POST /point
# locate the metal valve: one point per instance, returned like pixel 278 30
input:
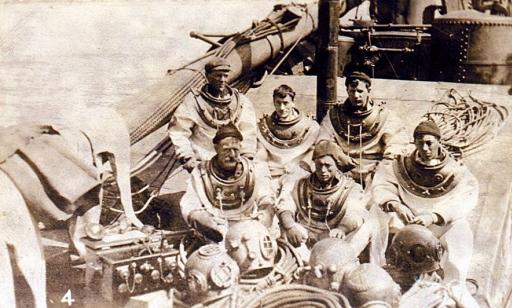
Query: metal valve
pixel 170 263
pixel 138 278
pixel 122 288
pixel 146 267
pixel 155 275
pixel 123 272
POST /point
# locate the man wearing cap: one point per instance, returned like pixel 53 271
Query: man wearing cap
pixel 324 203
pixel 227 188
pixel 427 187
pixel 286 138
pixel 365 130
pixel 195 122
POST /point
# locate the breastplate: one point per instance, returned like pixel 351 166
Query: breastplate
pixel 322 209
pixel 228 194
pixel 215 112
pixel 284 135
pixel 357 128
pixel 425 181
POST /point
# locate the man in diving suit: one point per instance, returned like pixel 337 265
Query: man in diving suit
pixel 286 138
pixel 227 188
pixel 428 187
pixel 365 130
pixel 203 111
pixel 325 203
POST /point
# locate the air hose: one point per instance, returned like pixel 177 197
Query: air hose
pixel 466 123
pixel 296 295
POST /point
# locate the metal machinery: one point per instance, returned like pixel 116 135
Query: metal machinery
pixel 387 51
pixel 463 50
pixel 132 263
pixel 449 43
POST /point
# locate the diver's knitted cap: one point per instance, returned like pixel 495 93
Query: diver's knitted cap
pixel 217 64
pixel 326 148
pixel 358 75
pixel 428 127
pixel 228 130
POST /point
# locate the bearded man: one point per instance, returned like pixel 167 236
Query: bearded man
pixel 227 188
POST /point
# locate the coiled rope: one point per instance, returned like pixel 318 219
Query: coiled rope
pixel 466 123
pixel 296 295
pixel 273 24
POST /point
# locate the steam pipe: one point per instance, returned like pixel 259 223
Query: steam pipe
pixel 327 56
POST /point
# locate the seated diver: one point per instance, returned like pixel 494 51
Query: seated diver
pixel 324 203
pixel 227 188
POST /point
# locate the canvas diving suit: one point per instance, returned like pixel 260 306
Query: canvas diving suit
pixel 320 209
pixel 368 136
pixel 197 119
pixel 285 145
pixel 247 195
pixel 446 189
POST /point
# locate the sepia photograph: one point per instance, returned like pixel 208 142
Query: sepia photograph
pixel 256 153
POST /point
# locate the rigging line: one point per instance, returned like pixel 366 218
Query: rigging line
pixel 285 56
pixel 357 10
pixel 389 61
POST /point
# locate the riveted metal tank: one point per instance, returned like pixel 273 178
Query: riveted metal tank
pixel 472 47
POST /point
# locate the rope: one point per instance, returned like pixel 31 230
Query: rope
pixel 271 25
pixel 466 123
pixel 295 295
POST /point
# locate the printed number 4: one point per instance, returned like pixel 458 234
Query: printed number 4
pixel 67 298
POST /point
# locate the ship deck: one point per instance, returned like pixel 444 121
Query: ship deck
pixel 491 220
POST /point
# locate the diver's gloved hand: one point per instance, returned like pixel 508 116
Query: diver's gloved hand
pixel 345 163
pixel 208 225
pixel 297 235
pixel 189 164
pixel 337 233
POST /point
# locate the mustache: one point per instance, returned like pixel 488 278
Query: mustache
pixel 231 159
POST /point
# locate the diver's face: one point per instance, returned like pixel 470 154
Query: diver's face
pixel 218 80
pixel 228 153
pixel 358 94
pixel 427 146
pixel 284 106
pixel 325 168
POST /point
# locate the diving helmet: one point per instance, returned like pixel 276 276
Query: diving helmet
pixel 330 259
pixel 249 243
pixel 416 250
pixel 369 285
pixel 210 272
